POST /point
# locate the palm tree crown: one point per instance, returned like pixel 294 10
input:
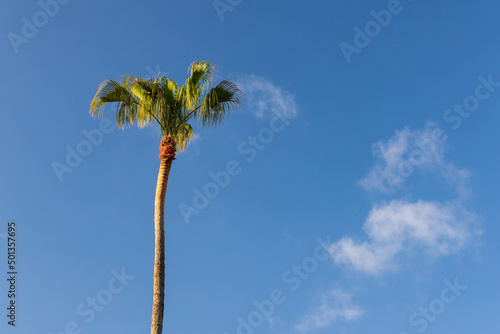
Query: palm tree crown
pixel 161 100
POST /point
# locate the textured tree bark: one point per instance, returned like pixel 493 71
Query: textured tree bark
pixel 167 155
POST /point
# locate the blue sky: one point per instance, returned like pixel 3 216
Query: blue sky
pixel 355 191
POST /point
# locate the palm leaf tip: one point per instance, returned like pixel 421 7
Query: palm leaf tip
pixel 108 91
pixel 201 71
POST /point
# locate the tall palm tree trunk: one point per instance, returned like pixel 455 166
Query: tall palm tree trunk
pixel 167 155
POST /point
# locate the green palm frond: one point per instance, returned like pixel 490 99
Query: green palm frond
pixel 111 91
pixel 218 101
pixel 108 91
pixel 201 72
pixel 183 135
pixel 169 89
pixel 146 91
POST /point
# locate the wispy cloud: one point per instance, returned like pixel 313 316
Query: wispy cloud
pixel 406 151
pixel 334 305
pixel 196 137
pixel 398 227
pixel 266 99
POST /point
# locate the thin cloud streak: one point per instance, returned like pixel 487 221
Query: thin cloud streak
pixel 335 305
pixel 265 99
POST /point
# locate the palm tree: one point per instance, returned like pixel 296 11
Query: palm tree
pixel 161 101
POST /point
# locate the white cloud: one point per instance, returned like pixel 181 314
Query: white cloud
pixel 335 305
pixel 399 157
pixel 265 99
pixel 397 227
